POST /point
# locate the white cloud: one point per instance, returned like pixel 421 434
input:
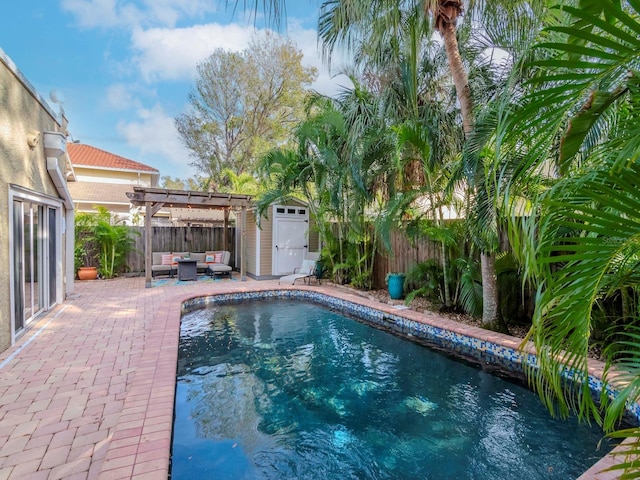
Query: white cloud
pixel 172 53
pixel 154 135
pixel 121 97
pixel 127 13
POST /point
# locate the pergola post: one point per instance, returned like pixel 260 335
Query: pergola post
pixel 147 244
pixel 243 246
pixel 225 229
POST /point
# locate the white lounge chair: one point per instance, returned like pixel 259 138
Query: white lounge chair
pixel 305 272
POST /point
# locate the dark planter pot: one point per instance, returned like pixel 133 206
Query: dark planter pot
pixel 395 285
pixel 87 273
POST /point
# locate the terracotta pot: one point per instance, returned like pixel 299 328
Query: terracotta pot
pixel 87 273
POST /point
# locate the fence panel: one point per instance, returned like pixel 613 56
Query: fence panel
pixel 404 255
pixel 180 239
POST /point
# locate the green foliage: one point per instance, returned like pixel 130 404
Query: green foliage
pixel 469 290
pixel 515 297
pixel 558 152
pixel 196 184
pixel 580 121
pixel 99 240
pixel 338 161
pixel 243 104
pixel 427 277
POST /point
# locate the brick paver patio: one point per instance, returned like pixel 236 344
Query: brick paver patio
pixel 87 392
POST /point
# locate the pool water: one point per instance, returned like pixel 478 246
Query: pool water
pixel 291 390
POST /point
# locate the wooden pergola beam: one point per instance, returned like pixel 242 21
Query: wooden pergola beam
pixel 186 198
pixel 156 208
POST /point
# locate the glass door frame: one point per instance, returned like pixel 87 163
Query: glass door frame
pixel 43 262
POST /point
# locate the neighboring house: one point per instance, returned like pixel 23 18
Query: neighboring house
pixel 36 209
pixel 100 178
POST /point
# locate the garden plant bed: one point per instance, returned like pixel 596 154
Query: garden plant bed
pixel 423 305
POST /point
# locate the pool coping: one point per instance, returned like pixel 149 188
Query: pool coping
pixel 153 391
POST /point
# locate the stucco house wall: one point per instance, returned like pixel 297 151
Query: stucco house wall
pixel 24 117
pixel 141 179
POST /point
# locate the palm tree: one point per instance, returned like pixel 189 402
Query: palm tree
pixel 580 127
pixel 344 23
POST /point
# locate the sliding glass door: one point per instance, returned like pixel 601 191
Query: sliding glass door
pixel 18 267
pixel 34 259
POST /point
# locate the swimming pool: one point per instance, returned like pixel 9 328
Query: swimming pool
pixel 284 389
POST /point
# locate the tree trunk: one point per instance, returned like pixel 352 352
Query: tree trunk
pixel 459 75
pixel 447 28
pixel 490 316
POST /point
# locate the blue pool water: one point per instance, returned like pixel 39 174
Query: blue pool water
pixel 291 390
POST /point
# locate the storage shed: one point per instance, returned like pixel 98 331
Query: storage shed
pixel 278 242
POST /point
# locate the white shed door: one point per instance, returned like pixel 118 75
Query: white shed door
pixel 290 242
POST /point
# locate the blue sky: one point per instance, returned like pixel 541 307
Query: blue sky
pixel 124 69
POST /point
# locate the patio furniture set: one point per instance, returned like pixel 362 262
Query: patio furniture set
pixel 187 264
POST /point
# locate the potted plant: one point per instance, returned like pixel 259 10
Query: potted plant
pixel 84 259
pixel 395 285
pixel 84 271
pixel 101 242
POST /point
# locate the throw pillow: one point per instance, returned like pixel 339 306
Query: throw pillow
pixel 175 259
pixel 217 258
pixel 209 259
pixel 167 259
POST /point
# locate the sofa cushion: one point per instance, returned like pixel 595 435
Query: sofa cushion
pixel 161 268
pixel 219 268
pixel 198 257
pixel 156 257
pixel 217 256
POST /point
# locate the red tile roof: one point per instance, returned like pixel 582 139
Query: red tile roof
pixel 88 156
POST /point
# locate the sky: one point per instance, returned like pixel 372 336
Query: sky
pixel 122 70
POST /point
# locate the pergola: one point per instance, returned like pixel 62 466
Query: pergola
pixel 153 199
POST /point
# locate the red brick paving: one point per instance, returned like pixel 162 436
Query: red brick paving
pixel 89 391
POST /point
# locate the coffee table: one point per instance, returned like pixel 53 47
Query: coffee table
pixel 187 269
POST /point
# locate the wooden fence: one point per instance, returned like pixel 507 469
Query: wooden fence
pixel 180 239
pixel 200 239
pixel 405 254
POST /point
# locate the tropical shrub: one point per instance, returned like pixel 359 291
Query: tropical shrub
pixel 100 240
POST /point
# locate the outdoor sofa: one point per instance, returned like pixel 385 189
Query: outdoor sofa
pixel 211 263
